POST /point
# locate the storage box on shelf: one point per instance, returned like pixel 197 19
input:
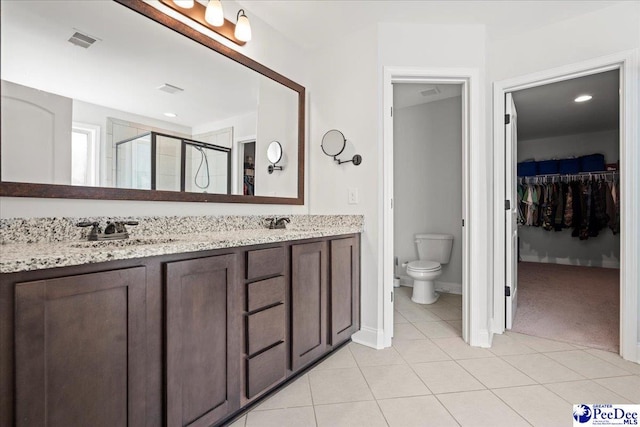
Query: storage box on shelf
pixel 547 167
pixel 592 163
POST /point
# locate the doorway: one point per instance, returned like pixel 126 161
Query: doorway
pixel 564 229
pixel 427 155
pixel 246 167
pixel 469 82
pixel 626 65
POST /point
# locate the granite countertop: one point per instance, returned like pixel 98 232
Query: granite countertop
pixel 16 257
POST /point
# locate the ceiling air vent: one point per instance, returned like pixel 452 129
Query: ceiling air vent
pixel 170 88
pixel 431 91
pixel 82 40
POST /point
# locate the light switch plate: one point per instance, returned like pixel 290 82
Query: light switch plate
pixel 353 196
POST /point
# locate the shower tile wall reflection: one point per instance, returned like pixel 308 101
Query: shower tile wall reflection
pixel 155 161
pixel 133 160
pixel 168 161
pixel 206 170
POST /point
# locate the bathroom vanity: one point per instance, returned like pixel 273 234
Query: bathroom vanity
pixel 184 332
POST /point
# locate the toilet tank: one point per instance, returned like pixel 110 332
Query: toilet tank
pixel 434 247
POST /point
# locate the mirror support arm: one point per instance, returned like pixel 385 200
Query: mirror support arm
pixel 356 160
pixel 272 168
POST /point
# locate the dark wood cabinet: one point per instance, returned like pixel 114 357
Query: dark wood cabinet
pixel 344 289
pixel 202 340
pixel 178 340
pixel 265 319
pixel 80 350
pixel 308 302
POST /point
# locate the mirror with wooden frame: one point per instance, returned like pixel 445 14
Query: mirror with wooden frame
pixel 119 101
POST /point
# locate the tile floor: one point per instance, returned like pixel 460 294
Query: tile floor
pixel 430 377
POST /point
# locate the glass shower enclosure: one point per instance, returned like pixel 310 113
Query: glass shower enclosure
pixel 155 161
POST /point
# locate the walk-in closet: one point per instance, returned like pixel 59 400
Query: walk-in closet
pixel 568 187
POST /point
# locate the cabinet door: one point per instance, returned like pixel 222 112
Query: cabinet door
pixel 80 350
pixel 344 289
pixel 308 303
pixel 203 345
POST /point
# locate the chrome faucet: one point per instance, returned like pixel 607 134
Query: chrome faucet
pixel 115 230
pixel 96 230
pixel 276 223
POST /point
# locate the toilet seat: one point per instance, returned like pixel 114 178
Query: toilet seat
pixel 423 266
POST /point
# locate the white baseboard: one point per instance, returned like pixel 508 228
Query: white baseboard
pixel 449 287
pixel 370 337
pixel 482 339
pixel 567 261
pixel 446 287
pixel 406 281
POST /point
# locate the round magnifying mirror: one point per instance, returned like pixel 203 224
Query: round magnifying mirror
pixel 333 143
pixel 274 152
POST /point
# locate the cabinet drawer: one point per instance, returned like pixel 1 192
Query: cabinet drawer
pixel 265 369
pixel 265 292
pixel 265 328
pixel 265 262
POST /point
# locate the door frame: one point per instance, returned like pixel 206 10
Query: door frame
pixel 469 78
pixel 627 63
pixel 511 214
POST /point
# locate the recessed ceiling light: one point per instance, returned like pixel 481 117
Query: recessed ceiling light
pixel 583 98
pixel 172 115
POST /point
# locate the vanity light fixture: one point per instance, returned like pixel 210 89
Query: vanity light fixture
pixel 583 98
pixel 214 14
pixel 243 28
pixel 212 18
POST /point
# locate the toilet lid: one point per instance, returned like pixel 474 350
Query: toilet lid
pixel 423 265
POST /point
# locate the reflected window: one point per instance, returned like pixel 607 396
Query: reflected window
pixel 85 155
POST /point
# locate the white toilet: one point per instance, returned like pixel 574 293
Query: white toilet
pixel 433 251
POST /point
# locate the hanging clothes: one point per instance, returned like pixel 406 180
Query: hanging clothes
pixel 561 190
pixel 568 208
pixel 586 206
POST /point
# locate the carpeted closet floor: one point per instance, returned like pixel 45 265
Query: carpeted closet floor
pixel 579 305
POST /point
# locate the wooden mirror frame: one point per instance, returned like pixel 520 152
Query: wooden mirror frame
pixel 24 189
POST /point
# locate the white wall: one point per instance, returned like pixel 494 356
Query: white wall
pixel 565 146
pixel 539 245
pixel 427 157
pixel 243 126
pixel 36 135
pixel 607 31
pixel 346 94
pixel 345 97
pixel 268 47
pixel 277 121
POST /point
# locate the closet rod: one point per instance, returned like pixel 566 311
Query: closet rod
pixel 579 175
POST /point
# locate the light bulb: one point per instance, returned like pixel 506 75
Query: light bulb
pixel 214 15
pixel 583 98
pixel 243 28
pixel 185 4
